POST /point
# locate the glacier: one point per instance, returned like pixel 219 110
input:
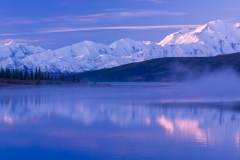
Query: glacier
pixel 214 38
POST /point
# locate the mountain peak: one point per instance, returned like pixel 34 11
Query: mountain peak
pixel 213 25
pixel 219 25
pixel 147 42
pixel 122 42
pixel 217 22
pixel 218 29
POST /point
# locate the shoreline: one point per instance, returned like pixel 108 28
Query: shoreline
pixel 6 83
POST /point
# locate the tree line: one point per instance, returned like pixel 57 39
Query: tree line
pixel 19 74
pixel 73 78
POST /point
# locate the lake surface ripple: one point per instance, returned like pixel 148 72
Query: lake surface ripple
pixel 124 121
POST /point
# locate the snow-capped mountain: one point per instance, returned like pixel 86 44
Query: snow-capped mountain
pixel 213 38
pixel 12 54
pixel 18 50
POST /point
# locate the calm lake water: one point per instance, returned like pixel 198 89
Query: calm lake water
pixel 125 121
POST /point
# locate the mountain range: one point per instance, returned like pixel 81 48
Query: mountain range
pixel 214 38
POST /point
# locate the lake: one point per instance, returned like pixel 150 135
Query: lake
pixel 124 121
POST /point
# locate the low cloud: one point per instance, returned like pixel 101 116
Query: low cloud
pixel 91 18
pixel 75 29
pixel 7 34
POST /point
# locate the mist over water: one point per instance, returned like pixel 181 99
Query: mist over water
pixel 218 85
pixel 198 119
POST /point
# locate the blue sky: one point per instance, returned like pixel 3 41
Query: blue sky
pixel 57 23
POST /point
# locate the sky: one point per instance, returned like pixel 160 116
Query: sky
pixel 54 24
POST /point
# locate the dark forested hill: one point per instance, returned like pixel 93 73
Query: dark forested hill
pixel 165 69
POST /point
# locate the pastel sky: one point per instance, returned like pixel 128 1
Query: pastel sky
pixel 57 23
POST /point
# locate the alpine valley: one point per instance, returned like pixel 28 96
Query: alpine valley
pixel 214 38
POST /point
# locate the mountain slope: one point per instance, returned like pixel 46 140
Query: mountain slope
pixel 213 38
pixel 165 69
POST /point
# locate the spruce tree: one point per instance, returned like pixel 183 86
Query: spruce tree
pixel 39 74
pixel 62 77
pixel 31 75
pixel 21 75
pixel 16 74
pixel 2 73
pixel 7 73
pixel 73 78
pixel 13 74
pixel 26 74
pixel 36 74
pixel 78 78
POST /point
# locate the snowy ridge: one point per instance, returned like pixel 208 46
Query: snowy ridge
pixel 211 39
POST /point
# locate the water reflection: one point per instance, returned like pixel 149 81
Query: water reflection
pixel 186 127
pixel 207 123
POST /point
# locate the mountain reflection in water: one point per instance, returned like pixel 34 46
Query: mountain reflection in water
pixel 141 115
